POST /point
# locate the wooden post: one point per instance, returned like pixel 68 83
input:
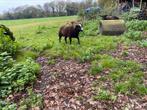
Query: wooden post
pixel 140 4
pixel 118 7
pixel 133 3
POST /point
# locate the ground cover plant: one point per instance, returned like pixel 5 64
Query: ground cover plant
pixel 105 68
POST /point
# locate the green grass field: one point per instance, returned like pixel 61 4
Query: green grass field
pixel 26 31
pixel 39 37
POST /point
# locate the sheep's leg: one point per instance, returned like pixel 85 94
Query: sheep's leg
pixel 60 38
pixel 78 40
pixel 70 40
pixel 66 40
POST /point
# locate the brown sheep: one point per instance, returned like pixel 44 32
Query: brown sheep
pixel 70 30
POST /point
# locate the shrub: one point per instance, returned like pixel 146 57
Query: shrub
pixel 7 106
pixel 128 16
pixel 134 35
pixel 137 25
pixel 81 14
pixel 93 13
pixel 136 30
pixel 91 28
pixel 5 61
pixel 17 76
pixel 6 44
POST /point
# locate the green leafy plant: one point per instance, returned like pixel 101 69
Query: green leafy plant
pixel 17 76
pixel 6 44
pixel 129 16
pixel 136 30
pixel 143 43
pixel 6 61
pixel 134 35
pixel 32 101
pixel 51 61
pixel 91 28
pixel 137 25
pixel 4 105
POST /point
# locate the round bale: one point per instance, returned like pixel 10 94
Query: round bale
pixel 112 27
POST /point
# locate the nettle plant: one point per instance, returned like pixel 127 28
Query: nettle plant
pixel 6 61
pixel 15 76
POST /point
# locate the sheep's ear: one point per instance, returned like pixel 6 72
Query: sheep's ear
pixel 80 24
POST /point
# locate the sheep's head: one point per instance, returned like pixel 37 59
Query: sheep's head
pixel 78 27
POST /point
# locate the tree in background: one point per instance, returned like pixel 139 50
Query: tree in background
pixel 61 8
pixel 88 3
pixel 53 8
pixel 72 8
pixel 109 6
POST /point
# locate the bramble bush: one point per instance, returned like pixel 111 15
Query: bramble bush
pixel 14 76
pixel 6 44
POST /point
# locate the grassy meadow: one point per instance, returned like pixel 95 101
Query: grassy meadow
pixel 39 37
pixel 34 35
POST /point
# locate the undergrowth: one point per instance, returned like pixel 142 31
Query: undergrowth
pixel 136 30
pixel 125 77
pixel 14 76
pixel 33 101
pixel 6 44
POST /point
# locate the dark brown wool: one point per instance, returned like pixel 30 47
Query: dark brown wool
pixel 108 17
pixel 70 30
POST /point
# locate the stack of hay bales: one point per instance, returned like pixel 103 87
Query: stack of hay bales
pixel 112 27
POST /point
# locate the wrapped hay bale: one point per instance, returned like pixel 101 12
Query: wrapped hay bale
pixel 112 27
